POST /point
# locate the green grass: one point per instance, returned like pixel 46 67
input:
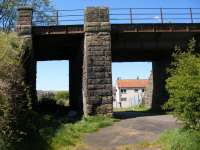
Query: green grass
pixel 134 108
pixel 49 132
pixel 180 139
pixel 139 146
pixel 174 139
pixel 69 135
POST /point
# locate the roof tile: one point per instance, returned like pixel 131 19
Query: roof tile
pixel 132 83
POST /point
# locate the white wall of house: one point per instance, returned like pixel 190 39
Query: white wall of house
pixel 127 97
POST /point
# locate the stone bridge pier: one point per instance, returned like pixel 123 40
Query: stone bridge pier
pixel 24 29
pixel 159 95
pixel 97 62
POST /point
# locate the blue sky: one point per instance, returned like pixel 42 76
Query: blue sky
pixel 54 75
pixel 74 4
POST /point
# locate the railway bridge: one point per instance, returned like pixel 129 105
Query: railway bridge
pixel 99 37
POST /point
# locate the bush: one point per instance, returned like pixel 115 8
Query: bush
pixel 183 86
pixel 62 98
pixel 59 97
pixel 14 96
pixel 46 96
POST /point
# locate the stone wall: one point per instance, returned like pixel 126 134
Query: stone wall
pixel 97 61
pixel 148 94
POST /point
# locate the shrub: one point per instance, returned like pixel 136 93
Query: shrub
pixel 183 86
pixel 62 98
pixel 58 97
pixel 14 97
pixel 46 96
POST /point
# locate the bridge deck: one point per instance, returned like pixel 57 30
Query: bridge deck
pixel 143 42
pixel 79 29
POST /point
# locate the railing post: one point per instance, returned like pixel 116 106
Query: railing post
pixel 57 17
pixel 191 17
pixel 161 15
pixel 131 17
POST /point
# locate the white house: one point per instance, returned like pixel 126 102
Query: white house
pixel 129 92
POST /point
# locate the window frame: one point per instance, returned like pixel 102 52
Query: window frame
pixel 123 91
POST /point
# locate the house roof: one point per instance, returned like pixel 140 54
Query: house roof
pixel 132 83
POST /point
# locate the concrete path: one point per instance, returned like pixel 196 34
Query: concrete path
pixel 139 128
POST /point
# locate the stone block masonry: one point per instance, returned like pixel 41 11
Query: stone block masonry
pixel 24 21
pixel 148 94
pixel 97 62
pixel 24 30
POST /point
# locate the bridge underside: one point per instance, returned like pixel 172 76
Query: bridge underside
pixel 128 46
pixel 146 44
pixel 92 48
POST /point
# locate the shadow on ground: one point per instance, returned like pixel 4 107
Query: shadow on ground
pixel 135 114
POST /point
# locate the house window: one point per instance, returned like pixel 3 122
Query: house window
pixel 123 99
pixel 136 90
pixel 142 90
pixel 123 90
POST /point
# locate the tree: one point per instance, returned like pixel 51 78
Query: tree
pixel 8 10
pixel 62 95
pixel 13 102
pixel 183 86
pixel 62 98
pixel 10 50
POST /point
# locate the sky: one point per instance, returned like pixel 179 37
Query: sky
pixel 74 4
pixel 54 75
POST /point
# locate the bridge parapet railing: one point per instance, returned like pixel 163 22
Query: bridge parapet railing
pixel 155 15
pixel 120 16
pixel 58 17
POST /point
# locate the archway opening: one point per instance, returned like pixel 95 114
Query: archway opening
pixel 52 84
pixel 132 87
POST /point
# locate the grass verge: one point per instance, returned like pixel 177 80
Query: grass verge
pixel 174 139
pixel 135 108
pixel 180 139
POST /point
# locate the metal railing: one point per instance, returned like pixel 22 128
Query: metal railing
pixel 58 17
pixel 121 15
pixel 155 15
